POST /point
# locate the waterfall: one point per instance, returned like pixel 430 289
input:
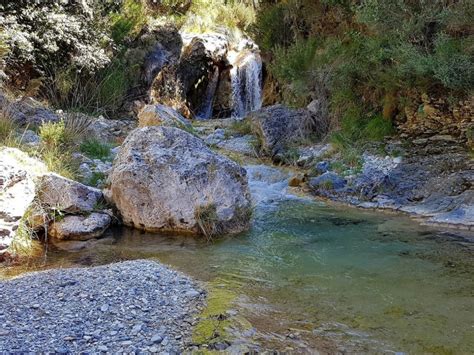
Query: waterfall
pixel 205 111
pixel 246 77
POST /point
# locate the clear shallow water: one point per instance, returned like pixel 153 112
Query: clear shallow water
pixel 364 281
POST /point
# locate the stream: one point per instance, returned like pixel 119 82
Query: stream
pixel 310 276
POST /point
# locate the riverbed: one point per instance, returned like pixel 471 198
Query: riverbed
pixel 310 276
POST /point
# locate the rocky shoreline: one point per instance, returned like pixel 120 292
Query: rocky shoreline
pixel 429 179
pixel 132 306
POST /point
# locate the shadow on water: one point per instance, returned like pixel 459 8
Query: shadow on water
pixel 369 282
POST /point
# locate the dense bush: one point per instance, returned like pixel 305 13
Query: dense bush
pixel 53 34
pixel 377 54
pixel 215 15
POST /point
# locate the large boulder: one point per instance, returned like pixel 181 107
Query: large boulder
pixel 278 127
pixel 27 112
pixel 165 179
pixel 18 175
pixel 161 115
pixel 58 193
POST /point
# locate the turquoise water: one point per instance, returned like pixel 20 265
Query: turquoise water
pixel 342 279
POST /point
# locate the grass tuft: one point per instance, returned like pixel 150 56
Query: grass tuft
pixel 207 220
pixel 95 149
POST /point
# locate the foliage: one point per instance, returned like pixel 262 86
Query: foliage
pixel 7 126
pixel 53 134
pixel 96 179
pixel 129 20
pixel 95 149
pixel 241 127
pixel 53 34
pixel 59 160
pixel 377 53
pixel 58 141
pixel 294 65
pixel 100 94
pixel 214 15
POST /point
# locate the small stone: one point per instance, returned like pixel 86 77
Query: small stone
pixel 153 349
pixel 35 306
pixel 192 293
pixel 102 348
pixel 296 180
pixel 127 343
pixel 156 339
pixel 136 329
pixel 104 308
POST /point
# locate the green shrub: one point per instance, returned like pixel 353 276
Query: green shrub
pixel 59 161
pixel 377 128
pixel 7 126
pixel 53 134
pixel 293 68
pixel 47 34
pixel 95 149
pixel 100 94
pixel 213 15
pixel 96 179
pixel 271 30
pixel 454 66
pixel 128 20
pixel 376 54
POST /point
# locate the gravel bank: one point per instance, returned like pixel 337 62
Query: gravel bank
pixel 124 307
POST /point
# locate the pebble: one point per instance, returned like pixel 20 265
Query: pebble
pixel 157 338
pixel 92 310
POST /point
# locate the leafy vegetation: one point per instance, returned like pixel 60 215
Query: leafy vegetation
pixel 373 56
pixel 95 149
pixel 205 15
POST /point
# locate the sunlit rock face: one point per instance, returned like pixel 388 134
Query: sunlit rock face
pixel 216 76
pixel 165 179
pixel 18 173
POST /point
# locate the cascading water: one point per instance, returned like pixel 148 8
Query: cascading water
pixel 205 111
pixel 246 78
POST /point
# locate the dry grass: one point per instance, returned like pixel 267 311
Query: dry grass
pixel 207 220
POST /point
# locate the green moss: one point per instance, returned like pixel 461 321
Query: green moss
pixel 214 322
pixel 213 319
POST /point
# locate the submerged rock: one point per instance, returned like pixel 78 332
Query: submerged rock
pixel 80 227
pixel 165 179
